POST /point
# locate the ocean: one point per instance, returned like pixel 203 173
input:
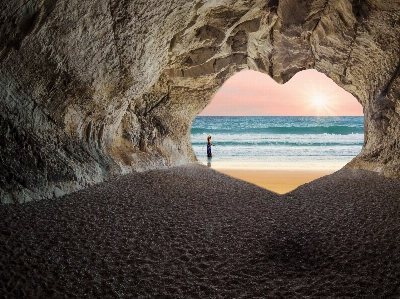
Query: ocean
pixel 278 142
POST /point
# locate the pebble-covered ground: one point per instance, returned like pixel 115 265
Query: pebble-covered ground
pixel 190 232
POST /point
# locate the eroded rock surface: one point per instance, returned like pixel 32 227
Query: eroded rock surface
pixel 93 89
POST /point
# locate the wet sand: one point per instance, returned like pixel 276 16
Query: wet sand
pixel 279 181
pixel 191 232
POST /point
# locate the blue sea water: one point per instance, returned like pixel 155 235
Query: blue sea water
pixel 277 141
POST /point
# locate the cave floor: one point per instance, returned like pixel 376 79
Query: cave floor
pixel 191 232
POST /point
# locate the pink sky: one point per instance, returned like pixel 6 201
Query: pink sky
pixel 308 93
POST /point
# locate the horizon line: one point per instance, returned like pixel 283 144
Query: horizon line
pixel 280 115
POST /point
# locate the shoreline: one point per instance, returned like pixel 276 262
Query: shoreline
pixel 280 181
pixel 325 164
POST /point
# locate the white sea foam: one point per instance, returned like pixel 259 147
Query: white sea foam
pixel 281 149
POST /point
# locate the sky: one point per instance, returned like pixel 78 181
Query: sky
pixel 308 93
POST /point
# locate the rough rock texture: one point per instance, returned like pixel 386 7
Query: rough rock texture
pixel 93 89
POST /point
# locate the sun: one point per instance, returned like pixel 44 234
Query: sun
pixel 320 101
pixel 321 104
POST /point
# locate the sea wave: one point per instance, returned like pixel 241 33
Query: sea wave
pixel 279 138
pixel 297 130
pixel 277 143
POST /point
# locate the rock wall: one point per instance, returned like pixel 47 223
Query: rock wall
pixel 91 89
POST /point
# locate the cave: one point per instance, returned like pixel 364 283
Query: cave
pixel 101 193
pixel 92 90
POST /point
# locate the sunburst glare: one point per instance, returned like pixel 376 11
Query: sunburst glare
pixel 321 104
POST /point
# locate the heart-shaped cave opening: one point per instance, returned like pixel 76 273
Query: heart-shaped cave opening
pixel 279 136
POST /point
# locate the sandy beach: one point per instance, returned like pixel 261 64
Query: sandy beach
pixel 279 181
pixel 191 232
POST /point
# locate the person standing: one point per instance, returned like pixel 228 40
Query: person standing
pixel 209 144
